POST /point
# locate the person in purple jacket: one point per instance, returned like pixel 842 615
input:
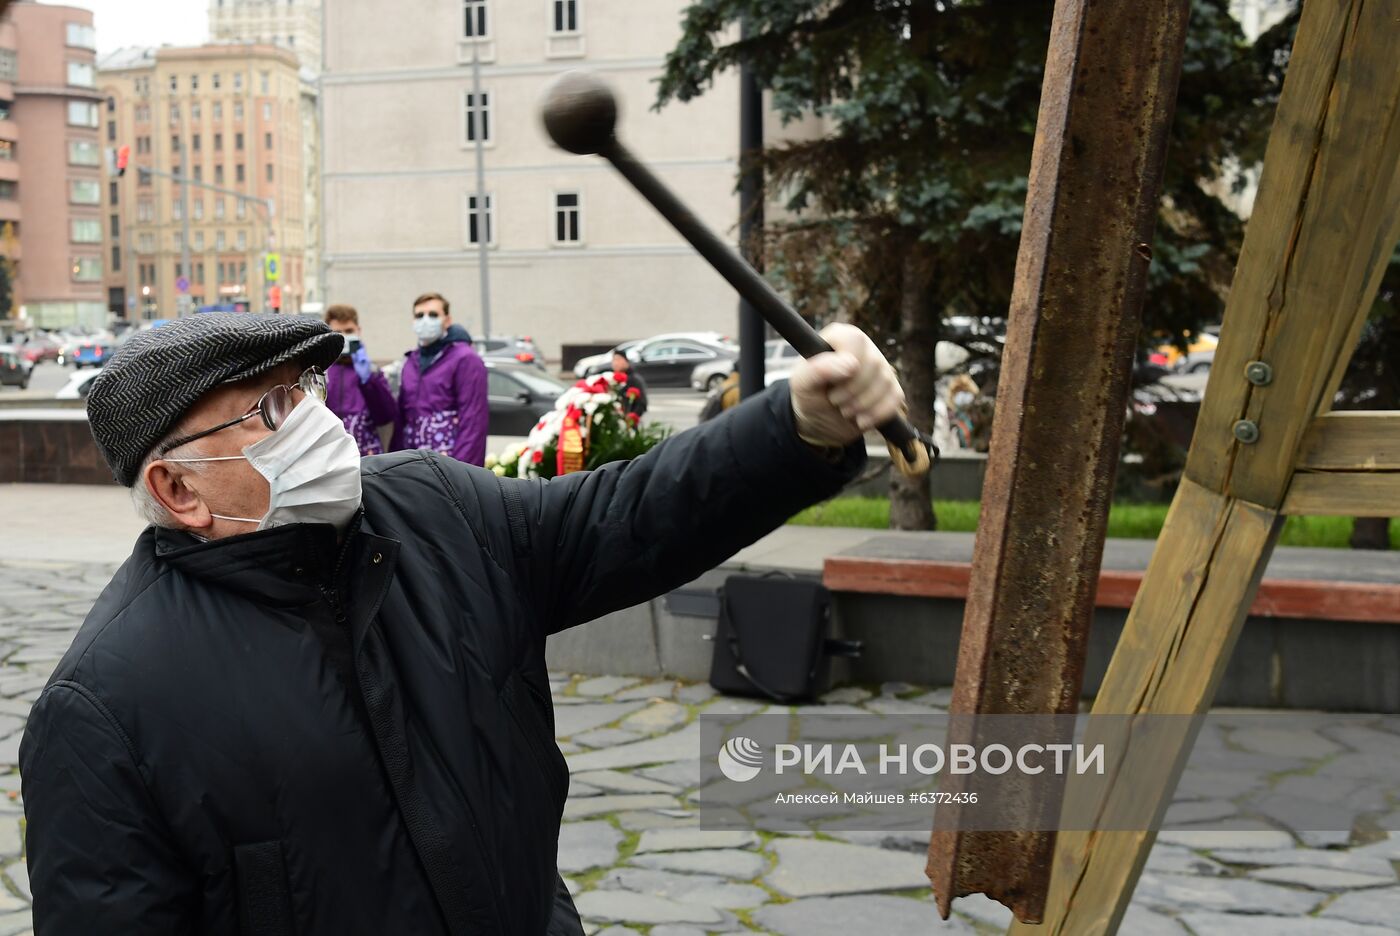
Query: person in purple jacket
pixel 442 388
pixel 355 391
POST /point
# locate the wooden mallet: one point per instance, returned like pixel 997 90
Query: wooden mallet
pixel 580 115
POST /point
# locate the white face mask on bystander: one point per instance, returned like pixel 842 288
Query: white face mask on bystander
pixel 312 467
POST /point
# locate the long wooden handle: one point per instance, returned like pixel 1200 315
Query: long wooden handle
pixel 912 451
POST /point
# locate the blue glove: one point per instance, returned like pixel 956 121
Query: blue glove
pixel 363 368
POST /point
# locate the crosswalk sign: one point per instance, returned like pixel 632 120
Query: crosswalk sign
pixel 272 267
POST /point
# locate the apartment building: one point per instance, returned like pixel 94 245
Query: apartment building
pixel 290 24
pixel 50 182
pixel 575 254
pixel 231 119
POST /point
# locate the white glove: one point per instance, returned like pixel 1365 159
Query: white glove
pixel 837 396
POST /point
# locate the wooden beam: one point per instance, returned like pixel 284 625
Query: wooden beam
pixel 1344 493
pixel 1326 220
pixel 1352 441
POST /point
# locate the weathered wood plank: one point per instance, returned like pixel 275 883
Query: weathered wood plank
pixel 1325 222
pixel 1344 493
pixel 1352 441
pixel 1173 651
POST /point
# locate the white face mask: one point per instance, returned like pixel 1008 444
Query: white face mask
pixel 312 467
pixel 428 329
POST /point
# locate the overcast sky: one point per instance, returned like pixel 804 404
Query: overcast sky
pixel 147 22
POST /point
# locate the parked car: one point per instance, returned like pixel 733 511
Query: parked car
pixel 510 350
pixel 39 348
pixel 778 358
pixel 1196 362
pixel 518 395
pixel 91 353
pixel 78 385
pixel 597 363
pixel 669 362
pixel 14 369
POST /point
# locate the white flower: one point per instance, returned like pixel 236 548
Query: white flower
pixel 499 470
pixel 491 461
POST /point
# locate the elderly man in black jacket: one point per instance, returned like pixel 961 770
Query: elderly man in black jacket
pixel 314 699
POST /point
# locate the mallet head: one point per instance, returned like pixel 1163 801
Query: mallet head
pixel 580 113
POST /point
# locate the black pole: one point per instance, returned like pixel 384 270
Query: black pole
pixel 751 327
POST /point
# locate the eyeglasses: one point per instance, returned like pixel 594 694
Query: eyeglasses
pixel 431 313
pixel 274 407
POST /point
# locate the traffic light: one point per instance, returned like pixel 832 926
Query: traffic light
pixel 274 298
pixel 123 157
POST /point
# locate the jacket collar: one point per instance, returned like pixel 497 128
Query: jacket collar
pixel 283 565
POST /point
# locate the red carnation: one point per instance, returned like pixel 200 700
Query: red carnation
pixel 633 393
pixel 620 376
pixel 633 419
pixel 537 457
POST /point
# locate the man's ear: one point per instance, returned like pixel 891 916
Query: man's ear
pixel 181 501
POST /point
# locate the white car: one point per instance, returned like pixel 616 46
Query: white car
pixel 597 363
pixel 78 385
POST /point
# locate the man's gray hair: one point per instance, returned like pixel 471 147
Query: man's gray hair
pixel 148 508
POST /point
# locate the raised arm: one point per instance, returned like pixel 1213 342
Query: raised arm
pixel 100 860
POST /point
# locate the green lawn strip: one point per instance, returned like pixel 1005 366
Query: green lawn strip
pixel 1125 521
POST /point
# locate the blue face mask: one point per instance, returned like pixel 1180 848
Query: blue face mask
pixel 428 329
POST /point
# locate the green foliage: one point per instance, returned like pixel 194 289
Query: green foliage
pixel 932 106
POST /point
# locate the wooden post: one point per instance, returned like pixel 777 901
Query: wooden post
pixel 1326 220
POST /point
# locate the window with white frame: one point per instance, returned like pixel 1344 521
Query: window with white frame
pixel 82 75
pixel 84 192
pixel 174 83
pixel 199 209
pixel 567 226
pixel 83 153
pixel 479 220
pixel 218 209
pixel 198 240
pixel 81 36
pixel 220 241
pixel 177 210
pixel 475 24
pixel 87 269
pixel 564 18
pixel 86 231
pixel 145 211
pixel 238 81
pixel 82 114
pixel 478 116
pixel 9 64
pixel 242 240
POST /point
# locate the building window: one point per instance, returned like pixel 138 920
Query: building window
pixel 214 81
pixel 199 173
pixel 85 231
pixel 115 225
pixel 242 271
pixel 269 172
pixel 474 22
pixel 199 209
pixel 82 114
pixel 81 75
pixel 267 141
pixel 566 16
pixel 194 110
pixel 87 269
pixel 174 83
pixel 143 113
pixel 241 209
pixel 478 219
pixel 238 176
pixel 9 190
pixel 177 211
pixel 218 110
pixel 263 81
pixel 219 174
pixel 218 142
pixel 111 131
pixel 174 143
pixel 83 153
pixel 199 273
pixel 116 259
pixel 146 243
pixel 111 105
pixel 242 240
pixel 177 240
pixel 267 110
pixel 198 240
pixel 219 202
pixel 84 192
pixel 81 36
pixel 174 113
pixel 145 211
pixel 237 110
pixel 5 108
pixel 238 81
pixel 194 142
pixel 9 64
pixel 7 150
pixel 238 141
pixel 112 194
pixel 566 218
pixel 194 83
pixel 220 241
pixel 473 112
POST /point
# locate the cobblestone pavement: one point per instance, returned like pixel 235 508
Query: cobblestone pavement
pixel 637 862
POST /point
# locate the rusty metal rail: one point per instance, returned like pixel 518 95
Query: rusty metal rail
pixel 1106 108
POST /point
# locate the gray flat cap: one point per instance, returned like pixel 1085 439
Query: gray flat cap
pixel 159 374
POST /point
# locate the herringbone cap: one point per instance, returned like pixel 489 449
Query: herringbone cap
pixel 157 375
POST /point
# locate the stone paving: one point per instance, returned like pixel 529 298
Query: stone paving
pixel 637 862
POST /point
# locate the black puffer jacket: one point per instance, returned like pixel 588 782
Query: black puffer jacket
pixel 197 765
